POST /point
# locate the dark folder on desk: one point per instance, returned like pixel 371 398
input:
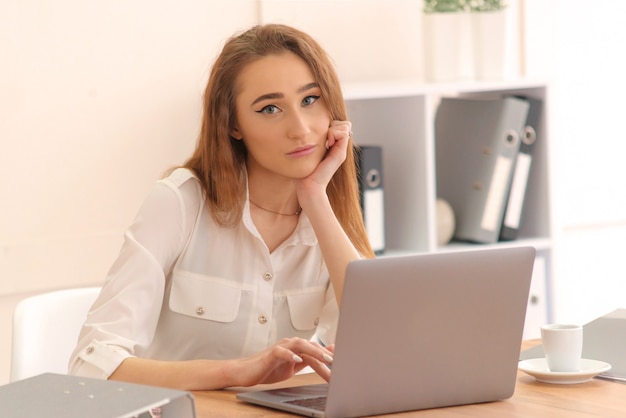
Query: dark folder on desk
pixel 523 162
pixel 57 395
pixel 477 141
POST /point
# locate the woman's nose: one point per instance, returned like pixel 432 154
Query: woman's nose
pixel 297 125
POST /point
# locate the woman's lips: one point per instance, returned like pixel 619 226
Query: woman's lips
pixel 302 151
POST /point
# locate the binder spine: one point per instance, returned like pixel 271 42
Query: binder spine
pixel 497 193
pixel 513 213
pixel 370 174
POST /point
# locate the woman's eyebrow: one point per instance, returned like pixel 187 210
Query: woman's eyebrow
pixel 272 96
pixel 308 86
pixel 268 96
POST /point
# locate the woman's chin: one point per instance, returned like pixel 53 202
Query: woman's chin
pixel 303 173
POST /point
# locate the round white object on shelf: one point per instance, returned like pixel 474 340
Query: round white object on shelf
pixel 445 222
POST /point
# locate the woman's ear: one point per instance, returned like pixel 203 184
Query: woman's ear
pixel 236 134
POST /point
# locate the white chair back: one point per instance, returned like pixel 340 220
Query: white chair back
pixel 45 330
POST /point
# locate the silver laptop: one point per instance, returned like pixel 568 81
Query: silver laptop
pixel 421 331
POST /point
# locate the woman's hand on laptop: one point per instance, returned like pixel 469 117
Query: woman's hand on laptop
pixel 283 360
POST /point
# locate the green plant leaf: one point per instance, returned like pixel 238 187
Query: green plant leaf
pixel 444 6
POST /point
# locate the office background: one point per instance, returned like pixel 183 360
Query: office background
pixel 98 99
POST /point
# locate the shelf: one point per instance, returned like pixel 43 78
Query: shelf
pixel 403 88
pixel 399 116
pixel 540 244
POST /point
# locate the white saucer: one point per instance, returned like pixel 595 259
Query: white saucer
pixel 538 368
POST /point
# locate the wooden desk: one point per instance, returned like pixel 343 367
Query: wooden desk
pixel 598 398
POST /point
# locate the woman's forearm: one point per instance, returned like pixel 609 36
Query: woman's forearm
pixel 335 245
pixel 274 364
pixel 182 375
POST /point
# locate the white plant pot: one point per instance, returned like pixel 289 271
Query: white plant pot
pixel 490 46
pixel 448 51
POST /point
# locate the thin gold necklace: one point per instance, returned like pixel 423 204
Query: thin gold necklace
pixel 278 213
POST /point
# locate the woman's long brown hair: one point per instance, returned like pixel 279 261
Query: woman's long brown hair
pixel 219 159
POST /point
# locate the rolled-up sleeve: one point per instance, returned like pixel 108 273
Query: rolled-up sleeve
pixel 122 321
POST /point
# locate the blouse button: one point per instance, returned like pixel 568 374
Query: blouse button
pixel 316 321
pixel 267 276
pixel 200 310
pixel 262 319
pixel 90 349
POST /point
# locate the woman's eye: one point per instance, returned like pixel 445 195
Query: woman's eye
pixel 269 109
pixel 309 100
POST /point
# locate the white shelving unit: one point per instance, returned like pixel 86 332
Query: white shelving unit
pixel 399 116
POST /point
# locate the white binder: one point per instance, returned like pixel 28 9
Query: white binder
pixel 521 174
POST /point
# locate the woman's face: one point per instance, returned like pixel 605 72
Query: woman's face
pixel 281 116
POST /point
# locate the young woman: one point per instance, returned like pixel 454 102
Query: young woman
pixel 233 270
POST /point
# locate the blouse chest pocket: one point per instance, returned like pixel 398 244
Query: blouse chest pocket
pixel 204 297
pixel 305 308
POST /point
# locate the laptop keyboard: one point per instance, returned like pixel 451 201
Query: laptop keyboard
pixel 318 403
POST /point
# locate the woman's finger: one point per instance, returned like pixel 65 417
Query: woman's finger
pixel 319 367
pixel 305 348
pixel 338 130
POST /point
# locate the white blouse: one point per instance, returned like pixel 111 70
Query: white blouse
pixel 184 287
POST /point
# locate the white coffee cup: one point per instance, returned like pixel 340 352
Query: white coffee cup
pixel 563 346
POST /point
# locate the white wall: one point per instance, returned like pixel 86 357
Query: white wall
pixel 367 39
pixel 98 98
pixel 579 44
